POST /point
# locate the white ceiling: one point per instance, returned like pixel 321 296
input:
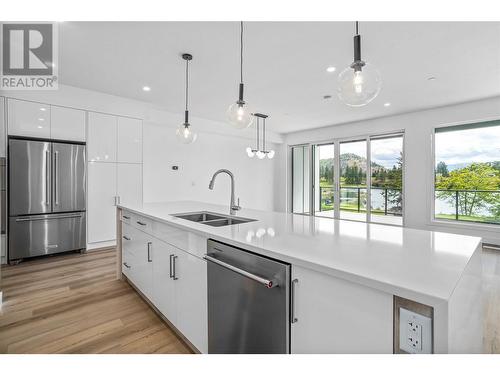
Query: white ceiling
pixel 285 65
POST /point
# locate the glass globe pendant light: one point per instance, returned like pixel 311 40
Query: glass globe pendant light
pixel 184 132
pixel 238 114
pixel 360 82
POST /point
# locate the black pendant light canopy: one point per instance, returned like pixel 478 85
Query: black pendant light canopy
pixel 238 114
pixel 184 132
pixel 360 82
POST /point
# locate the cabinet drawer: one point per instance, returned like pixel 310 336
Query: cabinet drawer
pixel 190 242
pixel 142 223
pixel 127 264
pixel 126 217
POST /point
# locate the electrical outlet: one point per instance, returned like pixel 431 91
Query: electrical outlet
pixel 415 332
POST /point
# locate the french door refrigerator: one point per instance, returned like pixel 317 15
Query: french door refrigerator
pixel 46 198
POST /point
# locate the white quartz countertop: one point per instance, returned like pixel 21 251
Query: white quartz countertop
pixel 421 265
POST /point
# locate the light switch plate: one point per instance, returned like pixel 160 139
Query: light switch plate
pixel 415 332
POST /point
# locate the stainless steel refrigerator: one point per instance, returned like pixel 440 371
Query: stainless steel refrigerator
pixel 47 182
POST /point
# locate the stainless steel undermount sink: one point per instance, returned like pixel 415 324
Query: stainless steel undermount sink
pixel 212 219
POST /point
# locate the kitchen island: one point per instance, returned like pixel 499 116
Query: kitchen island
pixel 352 279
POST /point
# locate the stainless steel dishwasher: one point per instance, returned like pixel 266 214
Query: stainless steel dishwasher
pixel 248 301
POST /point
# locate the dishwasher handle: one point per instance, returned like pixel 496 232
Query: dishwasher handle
pixel 260 280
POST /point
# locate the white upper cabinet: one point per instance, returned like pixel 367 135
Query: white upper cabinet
pixel 101 141
pixel 129 142
pixel 67 124
pixel 129 183
pixel 28 119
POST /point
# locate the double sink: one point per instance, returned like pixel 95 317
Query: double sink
pixel 212 219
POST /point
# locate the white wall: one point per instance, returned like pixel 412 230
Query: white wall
pixel 218 146
pixel 255 181
pixel 418 127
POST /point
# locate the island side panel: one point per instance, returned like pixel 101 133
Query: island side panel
pixel 119 243
pixel 337 316
pixel 465 310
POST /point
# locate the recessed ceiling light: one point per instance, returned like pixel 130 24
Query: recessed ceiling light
pixel 40 127
pixel 43 109
pixel 387 104
pixel 41 119
pixel 327 96
pixel 331 69
pixel 146 88
pixel 431 79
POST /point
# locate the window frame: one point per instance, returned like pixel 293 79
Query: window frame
pixel 431 207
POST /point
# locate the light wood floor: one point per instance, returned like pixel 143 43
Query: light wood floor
pixel 73 304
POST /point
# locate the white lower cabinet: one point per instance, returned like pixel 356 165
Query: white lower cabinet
pixel 163 283
pixel 129 183
pixel 101 202
pixel 174 280
pixel 336 316
pixel 191 299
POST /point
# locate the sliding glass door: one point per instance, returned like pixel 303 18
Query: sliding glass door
pixel 301 177
pixel 324 188
pixel 353 194
pixel 386 183
pixel 357 179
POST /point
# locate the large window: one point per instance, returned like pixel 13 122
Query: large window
pixel 338 181
pixel 467 173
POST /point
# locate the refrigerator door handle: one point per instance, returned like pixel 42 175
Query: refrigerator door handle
pixel 45 217
pixel 56 177
pixel 47 178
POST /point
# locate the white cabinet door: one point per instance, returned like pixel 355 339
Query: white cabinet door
pixel 101 202
pixel 143 262
pixel 28 119
pixel 129 183
pixel 129 140
pixel 67 124
pixel 101 140
pixel 163 283
pixel 336 316
pixel 191 299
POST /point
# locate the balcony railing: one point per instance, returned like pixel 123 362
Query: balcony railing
pixel 481 206
pixel 384 201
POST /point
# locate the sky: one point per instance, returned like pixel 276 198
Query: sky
pixel 468 146
pixel 384 152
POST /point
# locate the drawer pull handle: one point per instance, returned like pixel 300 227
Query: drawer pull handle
pixel 126 217
pixel 126 238
pixel 141 223
pixel 174 275
pixel 126 265
pixel 149 252
pixel 293 318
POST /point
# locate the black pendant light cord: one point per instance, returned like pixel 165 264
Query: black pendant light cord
pixel 187 83
pixel 240 94
pixel 241 52
pixel 357 32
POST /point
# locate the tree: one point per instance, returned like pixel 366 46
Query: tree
pixel 468 180
pixel 442 169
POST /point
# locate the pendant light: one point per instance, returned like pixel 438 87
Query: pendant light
pixel 238 114
pixel 360 82
pixel 260 153
pixel 184 132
